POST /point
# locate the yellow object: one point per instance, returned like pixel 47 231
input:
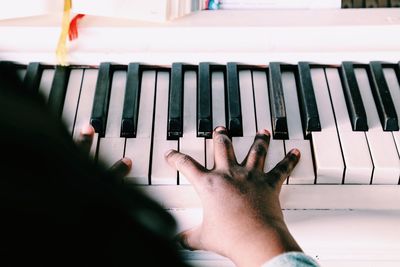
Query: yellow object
pixel 62 51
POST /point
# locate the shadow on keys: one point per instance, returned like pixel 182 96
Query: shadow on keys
pixel 57 207
pixel 60 209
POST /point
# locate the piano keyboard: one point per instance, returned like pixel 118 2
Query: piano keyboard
pixel 343 119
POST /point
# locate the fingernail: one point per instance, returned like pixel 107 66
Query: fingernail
pixel 168 152
pixel 265 132
pixel 295 152
pixel 220 129
pixel 127 161
pixel 87 130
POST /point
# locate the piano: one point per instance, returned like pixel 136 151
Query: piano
pixel 324 81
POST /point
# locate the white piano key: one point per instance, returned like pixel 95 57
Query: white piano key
pixel 382 145
pixel 328 157
pixel 72 98
pixel 354 145
pixel 85 107
pixel 115 107
pixel 194 147
pixel 93 148
pixel 85 100
pixel 218 112
pixel 209 154
pixel 304 171
pixel 218 99
pixel 111 147
pixel 276 150
pixel 110 150
pixel 45 83
pixel 394 88
pixel 242 145
pixel 138 149
pixel 247 103
pixel 161 172
pixel 189 143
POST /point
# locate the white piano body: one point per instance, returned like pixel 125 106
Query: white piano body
pixel 340 225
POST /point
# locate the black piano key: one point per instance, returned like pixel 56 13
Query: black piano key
pixel 277 102
pixel 32 77
pixel 235 126
pixel 383 100
pixel 371 3
pixel 358 3
pixel 383 3
pixel 58 90
pixel 98 118
pixel 308 104
pixel 204 104
pixel 347 3
pixel 131 101
pixel 394 3
pixel 353 98
pixel 175 103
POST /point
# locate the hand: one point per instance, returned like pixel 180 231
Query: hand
pixel 242 217
pixel 85 139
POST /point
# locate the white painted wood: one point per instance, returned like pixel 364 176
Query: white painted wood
pixel 189 143
pixel 110 150
pixel 354 145
pixel 320 233
pixel 323 35
pixel 85 100
pixel 304 171
pixel 45 83
pixel 138 149
pixel 325 197
pixel 381 144
pixel 116 105
pixel 161 172
pixel 276 150
pixel 393 84
pixel 327 152
pixel 72 98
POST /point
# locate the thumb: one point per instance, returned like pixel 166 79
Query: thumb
pixel 190 239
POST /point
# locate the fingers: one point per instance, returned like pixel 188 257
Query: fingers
pixel 190 239
pixel 283 169
pixel 224 156
pixel 121 168
pixel 185 164
pixel 255 159
pixel 85 138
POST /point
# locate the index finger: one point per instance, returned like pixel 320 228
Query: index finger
pixel 185 164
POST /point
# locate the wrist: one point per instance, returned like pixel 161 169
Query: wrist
pixel 262 244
